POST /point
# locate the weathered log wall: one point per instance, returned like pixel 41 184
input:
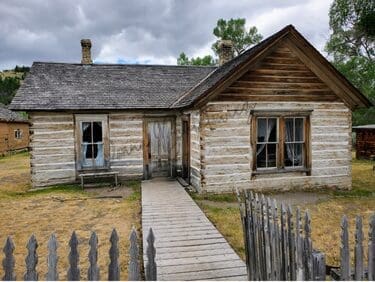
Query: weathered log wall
pixel 52 148
pixel 365 143
pixel 225 134
pixel 178 144
pixel 195 150
pixel 126 144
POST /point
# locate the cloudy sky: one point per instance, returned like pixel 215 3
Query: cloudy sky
pixel 141 31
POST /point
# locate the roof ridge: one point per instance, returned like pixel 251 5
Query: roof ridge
pixel 125 65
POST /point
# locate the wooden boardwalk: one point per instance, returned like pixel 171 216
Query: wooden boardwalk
pixel 188 246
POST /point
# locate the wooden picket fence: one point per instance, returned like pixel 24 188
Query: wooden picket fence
pixel 278 244
pixel 73 272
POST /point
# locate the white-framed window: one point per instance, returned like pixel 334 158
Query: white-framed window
pixel 92 147
pixel 18 133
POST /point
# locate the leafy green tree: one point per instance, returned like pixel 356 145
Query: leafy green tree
pixel 353 29
pixel 8 88
pixel 234 30
pixel 184 60
pixel 351 46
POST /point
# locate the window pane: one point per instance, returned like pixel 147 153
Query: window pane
pixel 262 130
pixel 272 130
pixel 261 155
pixel 289 130
pixel 99 155
pixel 271 153
pixel 298 155
pixel 86 132
pixel 288 154
pixel 97 132
pixel 88 154
pixel 299 129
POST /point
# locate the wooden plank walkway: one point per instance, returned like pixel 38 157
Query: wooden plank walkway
pixel 188 246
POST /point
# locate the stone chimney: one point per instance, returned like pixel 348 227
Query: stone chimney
pixel 226 52
pixel 86 51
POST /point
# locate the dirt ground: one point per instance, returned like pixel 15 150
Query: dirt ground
pixel 61 210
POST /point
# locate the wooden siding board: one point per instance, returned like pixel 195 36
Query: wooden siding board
pixel 227 149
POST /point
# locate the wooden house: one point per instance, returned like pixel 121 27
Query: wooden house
pixel 278 116
pixel 365 141
pixel 14 131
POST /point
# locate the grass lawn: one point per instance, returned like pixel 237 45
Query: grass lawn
pixel 326 214
pixel 62 209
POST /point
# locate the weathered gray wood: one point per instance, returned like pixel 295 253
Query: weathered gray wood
pixel 266 234
pixel 52 259
pixel 31 260
pixel 8 261
pixel 358 250
pixel 319 266
pixel 344 251
pixel 284 244
pixel 93 272
pixel 307 247
pixel 257 243
pixel 371 249
pixel 277 249
pixel 73 270
pixel 113 268
pixel 151 268
pixel 299 247
pixel 134 269
pixel 292 245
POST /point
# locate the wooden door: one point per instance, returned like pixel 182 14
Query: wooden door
pixel 186 149
pixel 160 147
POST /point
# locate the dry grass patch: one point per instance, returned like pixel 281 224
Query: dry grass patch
pixel 326 214
pixel 61 210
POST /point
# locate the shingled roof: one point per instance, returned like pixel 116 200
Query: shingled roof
pixel 10 116
pixel 61 86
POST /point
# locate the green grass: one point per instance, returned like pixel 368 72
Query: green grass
pixel 326 214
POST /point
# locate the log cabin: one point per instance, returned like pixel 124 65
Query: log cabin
pixel 276 117
pixel 365 141
pixel 14 131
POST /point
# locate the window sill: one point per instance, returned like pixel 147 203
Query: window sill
pixel 282 170
pixel 93 169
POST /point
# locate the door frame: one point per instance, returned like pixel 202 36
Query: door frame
pixel 185 136
pixel 147 174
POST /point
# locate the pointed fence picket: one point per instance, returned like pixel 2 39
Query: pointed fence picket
pixel 73 271
pixel 278 244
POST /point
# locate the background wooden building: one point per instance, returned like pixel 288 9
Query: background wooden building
pixel 14 131
pixel 365 141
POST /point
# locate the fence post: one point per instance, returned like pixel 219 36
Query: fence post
pixel 319 266
pixel 307 248
pixel 292 245
pixel 151 271
pixel 8 261
pixel 31 260
pixel 299 247
pixel 93 273
pixel 344 251
pixel 134 269
pixel 267 243
pixel 113 268
pixel 52 274
pixel 73 270
pixel 358 249
pixel 284 244
pixel 371 249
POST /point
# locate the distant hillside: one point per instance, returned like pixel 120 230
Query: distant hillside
pixel 10 81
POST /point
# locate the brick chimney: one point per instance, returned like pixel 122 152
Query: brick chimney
pixel 226 53
pixel 86 51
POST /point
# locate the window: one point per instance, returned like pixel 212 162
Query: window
pixel 92 144
pixel 18 134
pixel 92 147
pixel 280 142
